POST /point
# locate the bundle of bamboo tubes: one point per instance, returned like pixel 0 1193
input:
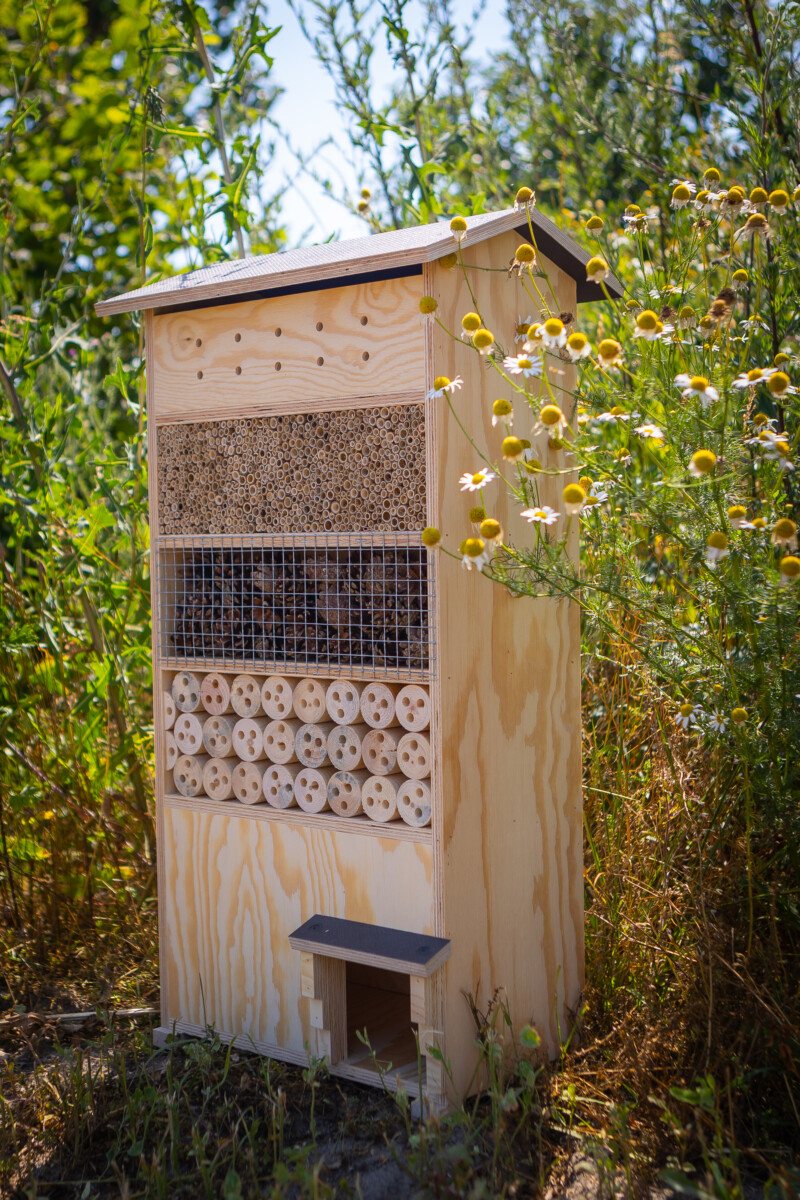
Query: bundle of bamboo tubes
pixel 358 469
pixel 354 750
pixel 349 605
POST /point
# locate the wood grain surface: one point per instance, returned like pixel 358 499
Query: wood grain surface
pixel 344 342
pixel 233 890
pixel 507 804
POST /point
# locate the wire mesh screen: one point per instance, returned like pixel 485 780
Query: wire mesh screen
pixel 359 609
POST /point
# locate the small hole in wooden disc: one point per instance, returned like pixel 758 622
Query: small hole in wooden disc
pixel 365 356
pixel 364 320
pixel 238 370
pixel 199 374
pixel 199 342
pixel 237 337
pixel 319 326
pixel 320 361
pixel 278 331
pixel 277 366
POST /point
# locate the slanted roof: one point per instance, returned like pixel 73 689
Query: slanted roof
pixel 348 260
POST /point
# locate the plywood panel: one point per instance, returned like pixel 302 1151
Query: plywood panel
pixel 233 890
pixel 509 843
pixel 363 340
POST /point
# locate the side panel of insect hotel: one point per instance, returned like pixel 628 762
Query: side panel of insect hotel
pixel 367 763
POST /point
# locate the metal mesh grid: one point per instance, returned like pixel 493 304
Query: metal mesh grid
pixel 338 472
pixel 360 609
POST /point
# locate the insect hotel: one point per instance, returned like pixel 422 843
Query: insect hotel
pixel 367 761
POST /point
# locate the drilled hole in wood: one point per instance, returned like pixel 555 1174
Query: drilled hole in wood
pixel 199 374
pixel 277 366
pixel 199 342
pixel 320 361
pixel 278 331
pixel 364 320
pixel 237 337
pixel 238 370
pixel 365 356
pixel 319 326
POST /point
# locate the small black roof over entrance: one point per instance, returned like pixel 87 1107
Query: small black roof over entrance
pixel 349 260
pixel 374 945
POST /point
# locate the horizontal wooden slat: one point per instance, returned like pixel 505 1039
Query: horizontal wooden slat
pixel 373 945
pixel 288 350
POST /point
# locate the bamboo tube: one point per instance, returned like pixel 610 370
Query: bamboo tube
pixel 247 780
pixel 379 797
pixel 311 790
pixel 171 747
pixel 279 738
pixel 188 734
pixel 215 694
pixel 188 774
pixel 170 710
pixel 311 743
pixel 344 792
pixel 248 738
pixel 345 746
pixel 342 701
pixel 308 699
pixel 379 748
pixel 413 707
pixel 218 736
pixel 378 704
pixel 218 779
pixel 278 784
pixel 276 697
pixel 186 691
pixel 414 755
pixel 414 802
pixel 246 696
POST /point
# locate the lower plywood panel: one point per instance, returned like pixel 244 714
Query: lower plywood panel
pixel 234 889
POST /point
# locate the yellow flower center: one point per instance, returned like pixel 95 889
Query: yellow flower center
pixel 778 383
pixel 704 461
pixel 779 198
pixel 448 261
pixel 573 494
pixel 585 482
pixel 740 276
pixel 735 195
pixel 790 566
pixel 632 209
pixel 490 528
pixel 780 359
pixel 681 192
pixel 473 547
pixel 478 477
pixel 440 383
pixel 524 363
pixel 502 408
pixel 525 253
pixel 553 327
pixel 458 225
pixel 717 541
pixel 647 319
pixel 470 321
pixel 783 447
pixel 687 710
pixel 617 410
pixel 699 383
pixel 712 175
pixel 759 523
pixel 756 221
pixel 686 312
pixel 595 266
pixel 703 195
pixel 758 196
pixel 577 341
pixel 476 514
pixel 427 305
pixel 784 528
pixel 754 376
pixel 431 536
pixel 551 414
pixel 512 447
pixel 737 512
pixel 524 195
pixel 594 224
pixel 482 339
pixel 739 716
pixel 522 329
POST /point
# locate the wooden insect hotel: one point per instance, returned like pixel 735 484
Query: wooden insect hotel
pixel 368 772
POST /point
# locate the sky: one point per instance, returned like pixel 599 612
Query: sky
pixel 308 114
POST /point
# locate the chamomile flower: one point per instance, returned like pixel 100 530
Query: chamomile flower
pixel 739 716
pixel 491 531
pixel 687 317
pixel 613 415
pixel 524 200
pixel 503 410
pixel 595 492
pixel 551 421
pixel 428 306
pixel 529 366
pixel 717 721
pixel 533 343
pixel 540 516
pixel 431 537
pixel 650 431
pixel 789 570
pixel 573 497
pixel 524 259
pixel 597 270
pixel 473 553
pixel 623 458
pixel 578 346
pixel 753 377
pixel 553 333
pixel 780 385
pixel 474 482
pixel 458 228
pixel 758 198
pixel 784 533
pixel 521 328
pixel 706 200
pixel 702 463
pixel 470 322
pixel 756 226
pixel 687 715
pixel 697 385
pixel 483 340
pixel 740 280
pixel 681 195
pixel 737 515
pixel 734 201
pixel 512 449
pixel 443 386
pixel 778 200
pixel 716 547
pixel 609 353
pixel 635 219
pixel 648 325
